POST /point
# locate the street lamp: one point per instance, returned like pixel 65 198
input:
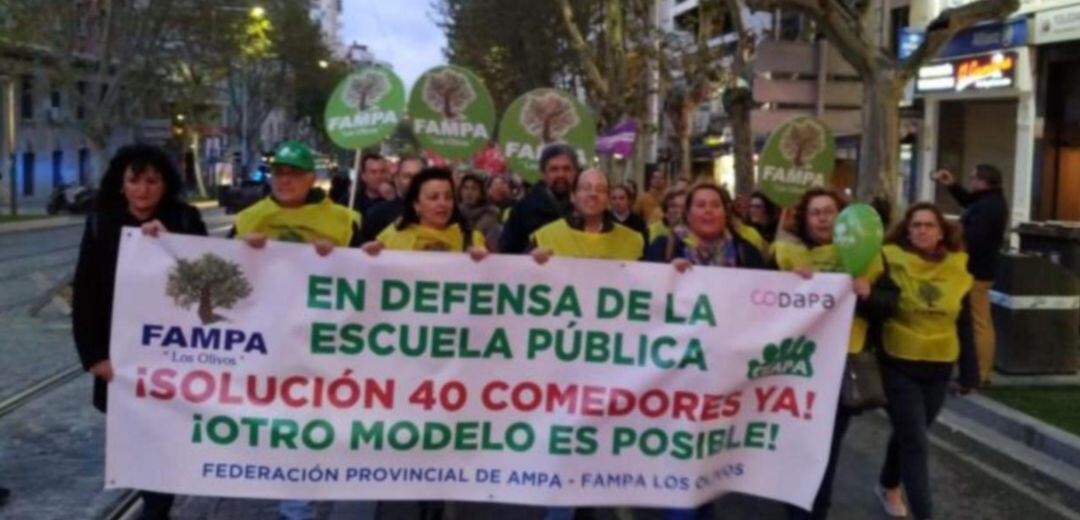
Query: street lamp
pixel 323 64
pixel 258 12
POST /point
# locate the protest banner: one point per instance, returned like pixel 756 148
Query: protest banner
pixel 277 373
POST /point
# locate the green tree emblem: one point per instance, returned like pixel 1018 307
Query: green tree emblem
pixel 929 293
pixel 209 281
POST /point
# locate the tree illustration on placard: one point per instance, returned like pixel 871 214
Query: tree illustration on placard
pixel 802 143
pixel 366 89
pixel 448 92
pixel 548 116
pixel 209 281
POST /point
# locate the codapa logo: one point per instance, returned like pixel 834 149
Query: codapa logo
pixel 794 300
pixel 790 357
pixel 210 283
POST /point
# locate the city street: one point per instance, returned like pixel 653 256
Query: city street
pixel 53 440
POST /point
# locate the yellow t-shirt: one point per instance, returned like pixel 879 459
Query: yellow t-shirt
pixel 931 296
pixel 417 237
pixel 750 234
pixel 621 243
pixel 658 229
pixel 822 259
pixel 307 223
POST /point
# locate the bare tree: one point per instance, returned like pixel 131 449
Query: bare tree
pixel 548 116
pixel 448 92
pixel 883 75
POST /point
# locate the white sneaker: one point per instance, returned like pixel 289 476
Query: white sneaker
pixel 897 509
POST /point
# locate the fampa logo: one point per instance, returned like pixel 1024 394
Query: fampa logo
pixel 790 357
pixel 209 281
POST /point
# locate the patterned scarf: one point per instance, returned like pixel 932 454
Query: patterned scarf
pixel 721 252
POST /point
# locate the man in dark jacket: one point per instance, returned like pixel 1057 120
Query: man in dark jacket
pixel 546 202
pixel 381 215
pixel 985 215
pixel 373 173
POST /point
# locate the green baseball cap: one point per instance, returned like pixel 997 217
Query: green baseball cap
pixel 295 154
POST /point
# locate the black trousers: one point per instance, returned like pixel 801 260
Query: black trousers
pixel 156 506
pixel 914 403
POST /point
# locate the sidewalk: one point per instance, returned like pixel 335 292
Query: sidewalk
pixel 1018 440
pixel 49 222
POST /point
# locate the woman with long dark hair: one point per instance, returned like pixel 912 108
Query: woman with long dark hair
pixel 763 215
pixel 140 188
pixel 430 220
pixel 926 259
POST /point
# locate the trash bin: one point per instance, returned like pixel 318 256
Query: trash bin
pixel 1055 240
pixel 1036 312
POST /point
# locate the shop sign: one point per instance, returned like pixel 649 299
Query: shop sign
pixel 986 38
pixel 987 72
pixel 974 40
pixel 1057 25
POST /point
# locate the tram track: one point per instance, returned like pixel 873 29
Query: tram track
pixel 39 388
pixel 127 508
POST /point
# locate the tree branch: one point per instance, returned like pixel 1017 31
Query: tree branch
pixel 950 22
pixel 840 25
pixel 588 59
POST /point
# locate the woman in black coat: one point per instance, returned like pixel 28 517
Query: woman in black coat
pixel 140 188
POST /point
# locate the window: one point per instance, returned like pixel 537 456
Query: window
pixel 28 174
pixel 80 101
pixel 899 20
pixel 84 166
pixel 57 167
pixel 54 99
pixel 26 97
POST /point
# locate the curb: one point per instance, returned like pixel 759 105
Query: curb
pixel 42 223
pixel 1020 427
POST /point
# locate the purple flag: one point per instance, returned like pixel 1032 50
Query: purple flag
pixel 619 140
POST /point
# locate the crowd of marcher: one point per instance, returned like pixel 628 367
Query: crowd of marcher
pixel 928 276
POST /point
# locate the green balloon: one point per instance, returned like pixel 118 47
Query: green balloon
pixel 857 236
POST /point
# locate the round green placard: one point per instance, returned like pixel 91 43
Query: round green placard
pixel 541 117
pixel 798 156
pixel 452 112
pixel 365 108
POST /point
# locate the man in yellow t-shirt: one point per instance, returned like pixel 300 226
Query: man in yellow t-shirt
pixel 648 204
pixel 591 232
pixel 295 210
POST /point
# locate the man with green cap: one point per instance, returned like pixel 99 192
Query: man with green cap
pixel 295 210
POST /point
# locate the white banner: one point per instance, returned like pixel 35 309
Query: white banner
pixel 276 373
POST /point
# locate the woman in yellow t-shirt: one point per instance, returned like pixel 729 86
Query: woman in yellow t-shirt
pixel 430 220
pixel 927 261
pixel 808 248
pixel 591 232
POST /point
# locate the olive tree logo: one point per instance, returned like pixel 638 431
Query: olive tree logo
pixel 366 89
pixel 929 293
pixel 209 281
pixel 802 143
pixel 791 356
pixel 548 115
pixel 448 92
